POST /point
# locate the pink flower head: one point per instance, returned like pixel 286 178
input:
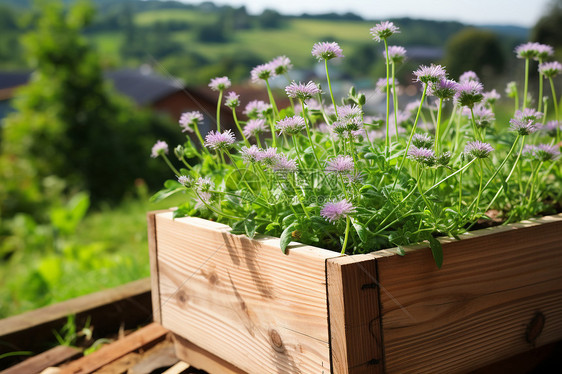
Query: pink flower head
pixel 189 120
pixel 469 93
pixel 544 51
pixel 159 148
pixel 491 97
pixel 396 54
pixel 255 127
pixel 424 156
pixel 527 50
pixel 528 114
pixel 186 181
pixel 551 128
pixel 250 154
pixel 220 83
pixel 483 116
pixel 334 211
pixel 283 164
pixel 262 72
pixel 302 91
pixel 268 156
pixel 341 164
pixel 478 149
pixel 326 51
pixel 522 127
pixel 281 65
pixel 546 152
pixel 468 76
pixel 444 89
pixel 291 125
pixel 256 109
pixel 383 30
pixel 349 111
pixel 216 140
pixel 550 69
pixel 430 74
pixel 422 141
pixel 232 100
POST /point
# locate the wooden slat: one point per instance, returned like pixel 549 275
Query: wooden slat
pixel 127 305
pixel 178 368
pixel 201 359
pixel 153 255
pixel 353 302
pixel 476 309
pixel 52 357
pixel 244 300
pixel 147 336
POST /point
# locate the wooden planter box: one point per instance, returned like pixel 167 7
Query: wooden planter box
pixel 241 306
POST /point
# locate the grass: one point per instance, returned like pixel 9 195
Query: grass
pixel 162 15
pixel 109 248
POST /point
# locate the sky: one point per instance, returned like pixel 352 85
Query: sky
pixel 478 12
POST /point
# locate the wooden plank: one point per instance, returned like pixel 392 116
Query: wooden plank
pixel 153 255
pixel 164 357
pixel 146 336
pixel 201 359
pixel 476 309
pixel 127 305
pixel 52 357
pixel 178 368
pixel 353 304
pixel 244 300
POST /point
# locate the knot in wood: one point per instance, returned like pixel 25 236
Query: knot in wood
pixel 535 327
pixel 276 340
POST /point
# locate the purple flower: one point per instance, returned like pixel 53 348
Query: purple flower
pixel 469 93
pixel 522 127
pixel 544 51
pixel 220 83
pixel 349 111
pixel 204 184
pixel 430 74
pixel 478 149
pixel 424 156
pixel 256 109
pixel 268 156
pixel 381 84
pixel 422 141
pixel 551 128
pixel 483 117
pixel 468 76
pixel 291 125
pixel 528 114
pixel 396 54
pixel 302 91
pixel 283 164
pixel 250 154
pixel 326 51
pixel 189 120
pixel 550 69
pixel 546 152
pixel 186 181
pixel 334 211
pixel 444 158
pixel 281 65
pixel 341 164
pixel 216 140
pixel 203 199
pixel 527 50
pixel 443 89
pixel 159 148
pixel 491 97
pixel 255 127
pixel 232 100
pixel 529 151
pixel 262 72
pixel 383 30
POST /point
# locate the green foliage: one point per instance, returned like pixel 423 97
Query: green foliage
pixel 476 50
pixel 547 29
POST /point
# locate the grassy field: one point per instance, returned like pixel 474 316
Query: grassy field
pixel 192 16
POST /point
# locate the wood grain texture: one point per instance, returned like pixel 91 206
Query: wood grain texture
pixel 144 337
pixel 244 300
pixel 355 329
pixel 476 309
pixel 153 255
pixel 52 357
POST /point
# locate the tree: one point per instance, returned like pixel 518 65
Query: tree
pixel 68 122
pixel 548 30
pixel 476 50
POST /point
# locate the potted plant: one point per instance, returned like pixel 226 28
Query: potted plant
pixel 319 239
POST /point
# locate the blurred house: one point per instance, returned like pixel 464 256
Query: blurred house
pixel 145 88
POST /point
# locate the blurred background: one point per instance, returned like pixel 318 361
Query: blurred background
pixel 86 88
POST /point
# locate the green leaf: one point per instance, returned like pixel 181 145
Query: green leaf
pixel 371 156
pixel 170 183
pixel 401 251
pixel 361 230
pixel 436 251
pixel 286 237
pixel 250 228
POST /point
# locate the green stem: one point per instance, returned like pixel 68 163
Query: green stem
pixel 474 127
pixel 533 183
pixel 540 88
pixel 239 127
pixel 272 99
pixel 437 126
pixel 219 103
pixel 395 99
pixel 330 87
pixel 346 235
pixel 526 83
pixel 387 137
pixel 308 134
pixel 480 185
pixel 176 172
pixel 298 197
pixel 555 102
